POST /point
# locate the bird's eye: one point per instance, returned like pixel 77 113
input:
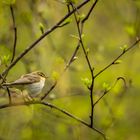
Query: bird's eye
pixel 41 74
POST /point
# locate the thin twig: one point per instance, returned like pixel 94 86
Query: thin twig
pixel 8 91
pixel 9 95
pixel 89 12
pixel 89 65
pixel 15 33
pixel 47 93
pixel 113 62
pixel 82 26
pixel 108 90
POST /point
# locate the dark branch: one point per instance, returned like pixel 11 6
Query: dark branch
pixel 90 11
pixel 80 30
pixel 113 62
pixel 15 33
pixel 53 107
pixel 9 95
pixel 108 90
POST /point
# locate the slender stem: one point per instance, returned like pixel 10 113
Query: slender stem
pixel 47 93
pixel 113 62
pixel 15 33
pixel 8 91
pixel 108 90
pixel 9 95
pixel 90 68
pixel 90 11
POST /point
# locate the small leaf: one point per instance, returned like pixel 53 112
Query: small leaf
pixel 41 27
pixel 106 86
pixel 124 48
pixel 82 36
pixel 5 59
pixel 67 21
pixel 87 82
pixel 118 62
pixel 81 17
pixel 87 50
pixel 74 36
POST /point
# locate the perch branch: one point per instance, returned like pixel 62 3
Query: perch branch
pixel 56 108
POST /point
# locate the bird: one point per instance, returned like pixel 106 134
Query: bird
pixel 32 83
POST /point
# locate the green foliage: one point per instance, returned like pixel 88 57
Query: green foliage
pixel 5 59
pixel 86 81
pixel 118 61
pixel 4 55
pixel 67 21
pixel 41 27
pixel 124 48
pixel 106 86
pixel 81 17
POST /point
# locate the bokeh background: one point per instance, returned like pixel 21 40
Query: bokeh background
pixel 112 25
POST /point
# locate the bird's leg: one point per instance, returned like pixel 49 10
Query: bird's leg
pixel 26 96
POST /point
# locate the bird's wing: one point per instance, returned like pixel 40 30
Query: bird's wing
pixel 25 79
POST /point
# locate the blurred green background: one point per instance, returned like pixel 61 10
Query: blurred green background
pixel 112 25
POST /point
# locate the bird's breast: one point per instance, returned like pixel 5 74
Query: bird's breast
pixel 36 88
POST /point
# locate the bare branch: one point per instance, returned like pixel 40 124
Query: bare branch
pixel 9 95
pixel 87 59
pixel 56 108
pixel 15 33
pixel 90 11
pixel 113 62
pixel 108 90
pixel 46 94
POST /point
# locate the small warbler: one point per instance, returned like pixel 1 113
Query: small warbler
pixel 33 83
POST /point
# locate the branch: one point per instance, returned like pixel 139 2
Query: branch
pixel 113 62
pixel 87 59
pixel 89 12
pixel 82 25
pixel 53 107
pixel 42 36
pixel 9 95
pixel 47 93
pixel 108 90
pixel 15 33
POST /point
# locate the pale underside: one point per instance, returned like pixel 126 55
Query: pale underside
pixel 30 82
